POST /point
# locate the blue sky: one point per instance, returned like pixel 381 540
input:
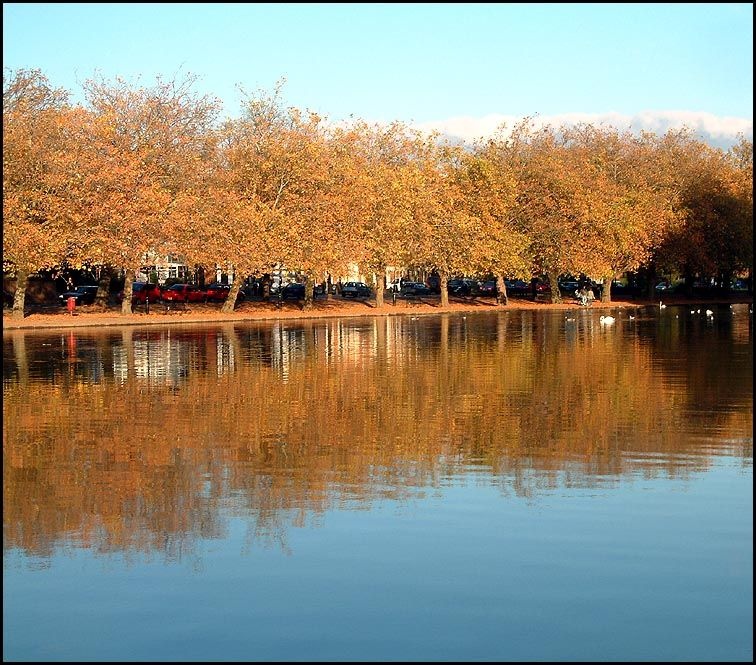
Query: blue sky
pixel 461 68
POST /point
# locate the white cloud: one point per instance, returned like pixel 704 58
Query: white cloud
pixel 720 131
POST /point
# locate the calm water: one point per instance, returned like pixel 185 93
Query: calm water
pixel 500 486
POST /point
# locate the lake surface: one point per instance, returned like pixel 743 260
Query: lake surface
pixel 498 486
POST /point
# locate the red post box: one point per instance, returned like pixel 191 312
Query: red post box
pixel 71 305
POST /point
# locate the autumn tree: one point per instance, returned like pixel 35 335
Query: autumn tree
pixel 715 238
pixel 237 212
pixel 621 209
pixel 34 139
pixel 321 212
pixel 306 176
pixel 490 186
pixel 740 228
pixel 389 161
pixel 544 180
pixel 145 153
pixel 447 230
pixel 233 229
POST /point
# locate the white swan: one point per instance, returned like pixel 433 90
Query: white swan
pixel 709 312
pixel 606 319
pixel 661 306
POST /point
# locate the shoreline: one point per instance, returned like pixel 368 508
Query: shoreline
pixel 88 316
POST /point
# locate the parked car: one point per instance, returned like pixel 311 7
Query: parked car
pixel 542 287
pixel 488 288
pixel 84 295
pixel 184 293
pixel 739 285
pixel 141 291
pixel 355 290
pixel 414 289
pixel 217 292
pixel 517 287
pixel 462 287
pixel 627 290
pixel 292 291
pixel 568 287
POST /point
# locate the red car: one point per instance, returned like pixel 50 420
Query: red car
pixel 184 293
pixel 217 292
pixel 140 291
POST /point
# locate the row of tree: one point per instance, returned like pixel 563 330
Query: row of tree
pixel 138 169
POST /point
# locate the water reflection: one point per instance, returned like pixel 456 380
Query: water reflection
pixel 138 440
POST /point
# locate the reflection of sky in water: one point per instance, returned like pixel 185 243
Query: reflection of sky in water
pixel 645 569
pixel 511 487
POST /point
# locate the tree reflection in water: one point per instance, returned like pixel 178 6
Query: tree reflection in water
pixel 142 440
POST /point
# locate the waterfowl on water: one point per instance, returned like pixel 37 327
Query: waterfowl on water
pixel 709 312
pixel 606 319
pixel 662 306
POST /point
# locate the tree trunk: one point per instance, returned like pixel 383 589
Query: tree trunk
pixel 19 299
pixel 233 294
pixel 606 292
pixel 380 287
pixel 556 297
pixel 103 288
pixel 651 282
pixel 443 280
pixel 128 289
pixel 308 293
pixel 501 291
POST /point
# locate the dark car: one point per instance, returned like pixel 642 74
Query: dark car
pixel 460 287
pixel 414 289
pixel 183 293
pixel 217 292
pixel 568 287
pixel 355 290
pixel 142 291
pixel 517 287
pixel 292 291
pixel 542 287
pixel 739 285
pixel 488 288
pixel 84 295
